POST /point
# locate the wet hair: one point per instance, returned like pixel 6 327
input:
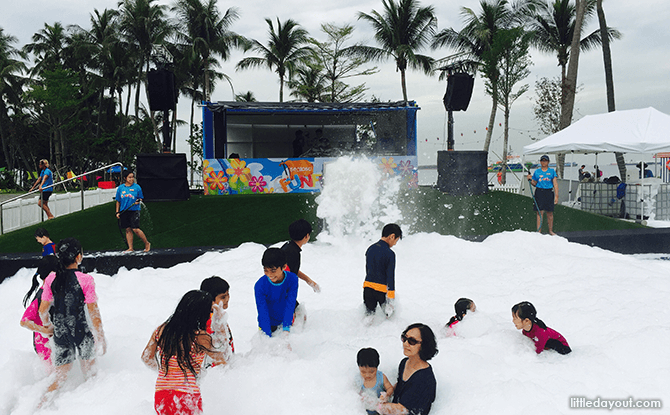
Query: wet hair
pixel 46 266
pixel 41 232
pixel 299 229
pixel 125 174
pixel 274 258
pixel 525 310
pixel 234 156
pixel 214 286
pixel 45 163
pixel 180 330
pixel 67 251
pixel 461 307
pixel 367 357
pixel 392 229
pixel 428 343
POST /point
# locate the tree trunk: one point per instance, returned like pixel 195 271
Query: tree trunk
pixel 571 80
pixel 404 85
pixel 505 141
pixel 492 120
pixel 609 80
pixel 5 148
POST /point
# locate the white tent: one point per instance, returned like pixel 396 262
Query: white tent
pixel 632 131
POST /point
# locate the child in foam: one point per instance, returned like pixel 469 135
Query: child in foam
pixel 177 349
pixel 69 303
pixel 525 318
pixel 375 387
pixel 462 306
pixel 31 317
pixel 276 293
pixel 217 325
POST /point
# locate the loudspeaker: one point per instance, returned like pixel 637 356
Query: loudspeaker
pixel 459 92
pixel 162 92
pixel 163 176
pixel 462 172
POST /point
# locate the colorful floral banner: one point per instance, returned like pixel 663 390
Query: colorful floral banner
pixel 262 176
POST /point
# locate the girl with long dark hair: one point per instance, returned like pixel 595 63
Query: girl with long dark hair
pixel 177 349
pixel 69 303
pixel 524 317
pixel 31 317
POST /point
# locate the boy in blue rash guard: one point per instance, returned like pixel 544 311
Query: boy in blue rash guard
pixel 379 285
pixel 276 293
pixel 128 198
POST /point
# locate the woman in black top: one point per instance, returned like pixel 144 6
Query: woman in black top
pixel 415 390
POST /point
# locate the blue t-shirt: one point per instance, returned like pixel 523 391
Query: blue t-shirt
pixel 544 179
pixel 276 302
pixel 48 183
pixel 127 196
pixel 49 249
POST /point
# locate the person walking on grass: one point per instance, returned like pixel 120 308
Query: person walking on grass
pixel 45 184
pixel 546 193
pixel 128 198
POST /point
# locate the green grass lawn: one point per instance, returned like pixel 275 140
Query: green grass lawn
pixel 232 220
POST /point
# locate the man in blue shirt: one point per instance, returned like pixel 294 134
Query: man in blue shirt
pixel 45 183
pixel 128 198
pixel 546 193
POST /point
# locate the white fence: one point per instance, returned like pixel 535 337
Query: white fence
pixel 25 212
pixel 509 188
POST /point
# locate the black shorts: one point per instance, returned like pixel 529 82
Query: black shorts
pixel 130 219
pixel 46 196
pixel 371 298
pixel 544 199
pixel 65 353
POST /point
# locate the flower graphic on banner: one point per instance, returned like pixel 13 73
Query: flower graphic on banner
pixel 413 181
pixel 216 180
pixel 257 184
pixel 405 167
pixel 238 171
pixel 388 165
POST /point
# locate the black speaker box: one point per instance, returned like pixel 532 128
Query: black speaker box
pixel 163 176
pixel 462 173
pixel 459 92
pixel 162 92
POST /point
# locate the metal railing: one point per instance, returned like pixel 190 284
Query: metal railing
pixel 2 228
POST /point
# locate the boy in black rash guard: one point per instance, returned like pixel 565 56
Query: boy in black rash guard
pixel 299 231
pixel 379 285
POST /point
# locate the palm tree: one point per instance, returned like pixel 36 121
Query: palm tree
pixel 310 83
pixel 609 78
pixel 245 97
pixel 283 53
pixel 557 27
pixel 11 68
pixel 401 30
pixel 473 44
pixel 207 32
pixel 48 46
pixel 143 23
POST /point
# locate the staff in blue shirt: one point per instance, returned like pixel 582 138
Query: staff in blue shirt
pixel 546 193
pixel 128 198
pixel 45 183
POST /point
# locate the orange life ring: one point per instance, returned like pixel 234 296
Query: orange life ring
pixel 667 164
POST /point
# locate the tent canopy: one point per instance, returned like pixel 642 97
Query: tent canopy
pixel 632 131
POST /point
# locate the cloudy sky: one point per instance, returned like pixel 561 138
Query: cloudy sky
pixel 641 62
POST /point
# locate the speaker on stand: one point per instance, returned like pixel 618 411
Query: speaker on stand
pixel 162 97
pixel 457 98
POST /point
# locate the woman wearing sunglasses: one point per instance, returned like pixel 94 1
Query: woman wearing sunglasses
pixel 415 391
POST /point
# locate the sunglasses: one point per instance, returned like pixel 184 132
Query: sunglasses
pixel 411 340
